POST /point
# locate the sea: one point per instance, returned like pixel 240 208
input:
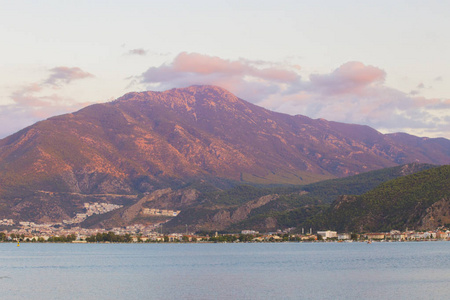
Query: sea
pixel 381 270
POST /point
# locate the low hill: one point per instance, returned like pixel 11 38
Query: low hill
pixel 271 208
pixel 417 201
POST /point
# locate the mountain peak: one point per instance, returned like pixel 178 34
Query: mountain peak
pixel 202 89
pixel 198 102
pixel 199 92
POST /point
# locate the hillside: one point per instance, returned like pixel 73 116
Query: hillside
pixel 417 201
pixel 271 208
pixel 143 142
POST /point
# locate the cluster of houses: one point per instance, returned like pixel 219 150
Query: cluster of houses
pixel 396 235
pixel 147 233
pixel 160 212
pixel 92 209
pixel 329 235
pixel 7 222
pixel 29 231
pixel 140 233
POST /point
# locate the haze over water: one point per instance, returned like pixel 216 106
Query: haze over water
pixel 415 270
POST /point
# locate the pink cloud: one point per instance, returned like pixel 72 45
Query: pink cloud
pixel 31 94
pixel 38 100
pixel 244 77
pixel 351 77
pixel 30 97
pixel 352 93
pixel 204 64
pixel 26 96
pixel 211 68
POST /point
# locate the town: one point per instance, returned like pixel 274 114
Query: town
pixel 69 231
pixel 56 232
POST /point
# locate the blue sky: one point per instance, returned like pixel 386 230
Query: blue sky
pixel 380 63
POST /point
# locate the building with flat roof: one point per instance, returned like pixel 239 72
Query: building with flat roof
pixel 328 234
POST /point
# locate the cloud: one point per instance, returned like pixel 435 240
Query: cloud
pixel 25 95
pixel 145 52
pixel 65 75
pixel 16 117
pixel 195 63
pixel 33 96
pixel 352 93
pixel 249 79
pixel 350 78
pixel 140 51
pixel 36 101
pixel 37 94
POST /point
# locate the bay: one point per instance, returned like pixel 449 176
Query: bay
pixel 412 270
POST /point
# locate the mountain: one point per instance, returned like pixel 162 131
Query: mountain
pixel 147 141
pixel 417 201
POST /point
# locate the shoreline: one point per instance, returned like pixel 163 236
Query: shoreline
pixel 210 242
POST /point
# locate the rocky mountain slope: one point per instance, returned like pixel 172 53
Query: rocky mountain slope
pixel 147 141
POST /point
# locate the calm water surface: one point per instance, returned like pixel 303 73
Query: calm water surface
pixel 226 271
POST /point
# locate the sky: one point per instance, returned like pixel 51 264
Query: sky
pixel 384 64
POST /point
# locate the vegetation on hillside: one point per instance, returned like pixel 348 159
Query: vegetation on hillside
pixel 294 206
pixel 397 204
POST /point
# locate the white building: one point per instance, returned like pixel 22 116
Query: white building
pixel 328 234
pixel 344 236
